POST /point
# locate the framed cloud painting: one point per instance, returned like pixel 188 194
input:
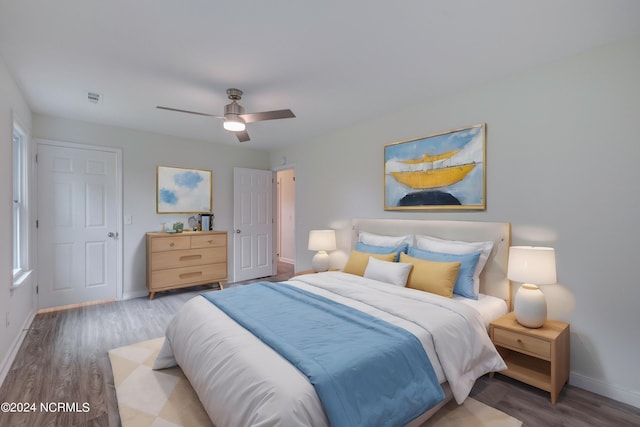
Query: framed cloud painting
pixel 183 190
pixel 443 171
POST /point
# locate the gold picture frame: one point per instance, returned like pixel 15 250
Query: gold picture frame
pixel 183 190
pixel 442 171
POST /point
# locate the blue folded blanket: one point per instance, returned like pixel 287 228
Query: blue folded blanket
pixel 366 371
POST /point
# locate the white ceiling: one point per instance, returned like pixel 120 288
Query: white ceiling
pixel 333 62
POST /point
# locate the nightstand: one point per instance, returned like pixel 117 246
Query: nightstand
pixel 538 357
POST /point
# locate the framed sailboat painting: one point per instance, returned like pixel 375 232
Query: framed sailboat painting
pixel 442 171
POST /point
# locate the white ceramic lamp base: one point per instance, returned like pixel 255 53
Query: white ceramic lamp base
pixel 320 261
pixel 530 306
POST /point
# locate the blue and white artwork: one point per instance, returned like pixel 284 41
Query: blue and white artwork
pixel 443 171
pixel 183 190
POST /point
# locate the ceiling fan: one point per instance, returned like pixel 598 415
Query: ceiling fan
pixel 235 119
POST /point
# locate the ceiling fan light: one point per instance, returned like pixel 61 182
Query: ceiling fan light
pixel 234 125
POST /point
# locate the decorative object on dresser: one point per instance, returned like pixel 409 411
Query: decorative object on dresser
pixel 538 357
pixel 206 221
pixel 532 265
pixel 321 241
pixel 186 259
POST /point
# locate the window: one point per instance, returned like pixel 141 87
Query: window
pixel 20 205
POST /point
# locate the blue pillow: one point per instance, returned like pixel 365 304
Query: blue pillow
pixel 372 249
pixel 464 282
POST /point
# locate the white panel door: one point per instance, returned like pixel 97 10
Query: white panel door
pixel 253 224
pixel 77 231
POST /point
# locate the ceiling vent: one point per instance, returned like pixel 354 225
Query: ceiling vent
pixel 94 98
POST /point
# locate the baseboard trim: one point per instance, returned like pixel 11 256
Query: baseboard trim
pixel 74 306
pixel 6 363
pixel 630 397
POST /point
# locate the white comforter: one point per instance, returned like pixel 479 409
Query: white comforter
pixel 242 382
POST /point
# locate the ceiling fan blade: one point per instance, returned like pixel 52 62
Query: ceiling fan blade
pixel 243 136
pixel 189 112
pixel 267 115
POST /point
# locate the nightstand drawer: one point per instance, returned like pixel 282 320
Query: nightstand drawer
pixel 531 345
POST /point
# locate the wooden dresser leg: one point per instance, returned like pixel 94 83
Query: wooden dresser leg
pixel 220 284
pixel 151 295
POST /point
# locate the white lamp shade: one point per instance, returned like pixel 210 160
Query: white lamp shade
pixel 532 264
pixel 322 240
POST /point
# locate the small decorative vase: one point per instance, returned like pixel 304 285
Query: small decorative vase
pixel 530 306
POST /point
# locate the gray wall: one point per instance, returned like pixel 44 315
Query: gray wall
pixel 563 157
pixel 17 305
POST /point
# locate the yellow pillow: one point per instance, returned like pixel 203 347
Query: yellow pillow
pixel 430 276
pixel 358 261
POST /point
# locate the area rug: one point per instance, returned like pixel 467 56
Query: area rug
pixel 148 398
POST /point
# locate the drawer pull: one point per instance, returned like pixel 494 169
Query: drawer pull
pixel 519 341
pixel 190 257
pixel 172 244
pixel 193 274
pixel 210 241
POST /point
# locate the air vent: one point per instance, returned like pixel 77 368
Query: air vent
pixel 94 98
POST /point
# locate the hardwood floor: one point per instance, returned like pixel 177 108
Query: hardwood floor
pixel 64 359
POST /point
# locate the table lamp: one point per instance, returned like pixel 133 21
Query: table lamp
pixel 533 266
pixel 321 241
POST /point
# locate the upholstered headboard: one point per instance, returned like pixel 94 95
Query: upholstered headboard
pixel 493 280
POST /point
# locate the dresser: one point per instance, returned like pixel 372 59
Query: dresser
pixel 185 259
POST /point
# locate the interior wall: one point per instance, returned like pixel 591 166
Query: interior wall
pixel 142 153
pixel 562 154
pixel 17 305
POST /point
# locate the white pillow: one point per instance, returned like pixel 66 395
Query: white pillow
pixel 378 240
pixel 457 247
pixel 395 273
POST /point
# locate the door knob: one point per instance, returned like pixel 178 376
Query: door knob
pixel 112 234
pixel 238 231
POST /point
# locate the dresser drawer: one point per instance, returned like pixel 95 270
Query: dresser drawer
pixel 187 257
pixel 534 346
pixel 209 241
pixel 176 277
pixel 172 243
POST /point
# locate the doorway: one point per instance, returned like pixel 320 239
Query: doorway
pixel 286 219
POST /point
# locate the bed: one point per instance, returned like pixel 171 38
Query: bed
pixel 242 381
